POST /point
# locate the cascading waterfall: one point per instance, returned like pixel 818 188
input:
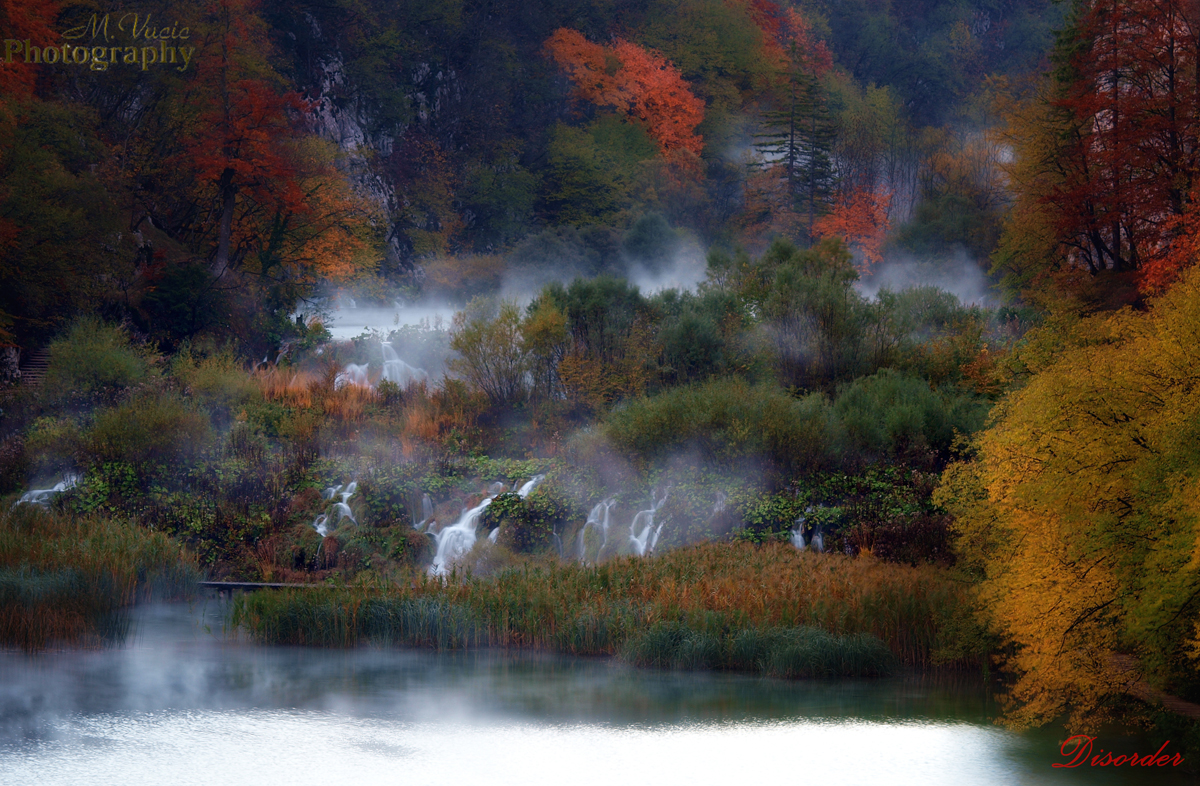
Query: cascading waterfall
pixel 459 538
pixel 42 496
pixel 529 486
pixel 816 541
pixel 338 511
pixel 598 518
pixel 646 539
pixel 397 371
pixel 426 513
pixel 353 374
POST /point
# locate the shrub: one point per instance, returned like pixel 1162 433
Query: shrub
pixel 726 420
pixel 889 413
pixel 95 358
pixel 144 430
pixel 218 381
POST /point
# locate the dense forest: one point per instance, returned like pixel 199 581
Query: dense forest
pixel 778 328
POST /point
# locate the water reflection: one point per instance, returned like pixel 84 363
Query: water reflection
pixel 180 705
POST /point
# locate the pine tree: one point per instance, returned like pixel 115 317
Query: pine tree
pixel 797 140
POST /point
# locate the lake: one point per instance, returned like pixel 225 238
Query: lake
pixel 181 703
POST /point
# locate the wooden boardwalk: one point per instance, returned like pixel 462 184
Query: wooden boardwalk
pixel 230 587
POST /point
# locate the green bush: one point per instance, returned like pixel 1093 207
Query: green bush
pixel 144 430
pixel 218 382
pixel 888 413
pixel 95 358
pixel 727 419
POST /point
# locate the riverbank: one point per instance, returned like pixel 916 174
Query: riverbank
pixel 736 606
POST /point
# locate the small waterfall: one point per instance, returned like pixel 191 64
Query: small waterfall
pixel 426 513
pixel 353 374
pixel 598 518
pixel 798 539
pixel 329 520
pixel 529 485
pixel 818 541
pixel 397 371
pixel 457 539
pixel 645 541
pixel 42 496
pixel 719 506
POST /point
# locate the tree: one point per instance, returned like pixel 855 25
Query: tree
pixel 1115 152
pixel 1080 515
pixel 797 137
pixel 637 82
pixel 491 355
pixel 861 220
pixel 266 191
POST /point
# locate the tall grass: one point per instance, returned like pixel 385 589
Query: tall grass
pixel 737 606
pixel 67 580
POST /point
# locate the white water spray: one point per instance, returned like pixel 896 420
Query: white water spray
pixel 42 496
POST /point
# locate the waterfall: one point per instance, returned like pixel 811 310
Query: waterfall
pixel 426 513
pixel 42 496
pixel 397 371
pixel 529 486
pixel 457 539
pixel 597 518
pixel 338 510
pixel 645 542
pixel 353 374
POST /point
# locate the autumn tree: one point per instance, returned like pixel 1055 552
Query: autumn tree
pixel 268 193
pixel 860 218
pixel 796 140
pixel 637 82
pixel 1108 165
pixel 1080 515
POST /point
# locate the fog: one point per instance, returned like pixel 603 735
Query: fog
pixel 959 275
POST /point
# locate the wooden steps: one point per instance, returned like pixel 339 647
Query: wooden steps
pixel 33 368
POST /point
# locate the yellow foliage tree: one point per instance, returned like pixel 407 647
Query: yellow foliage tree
pixel 1081 514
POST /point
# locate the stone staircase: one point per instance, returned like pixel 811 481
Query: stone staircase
pixel 33 368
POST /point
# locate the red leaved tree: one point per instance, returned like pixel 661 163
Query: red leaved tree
pixel 266 188
pixel 638 82
pixel 861 219
pixel 1128 104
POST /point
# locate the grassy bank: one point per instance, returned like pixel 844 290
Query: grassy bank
pixel 68 580
pixel 734 606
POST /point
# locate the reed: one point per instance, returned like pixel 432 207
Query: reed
pixel 69 580
pixel 766 609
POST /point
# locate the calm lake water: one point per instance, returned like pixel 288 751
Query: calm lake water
pixel 181 704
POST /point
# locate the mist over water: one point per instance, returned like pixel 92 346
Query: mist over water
pixel 347 320
pixel 182 704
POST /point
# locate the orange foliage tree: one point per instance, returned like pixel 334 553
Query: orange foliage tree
pixel 24 20
pixel 275 194
pixel 638 82
pixel 861 219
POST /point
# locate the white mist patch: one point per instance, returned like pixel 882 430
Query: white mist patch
pixel 960 275
pixel 687 268
pixel 345 319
